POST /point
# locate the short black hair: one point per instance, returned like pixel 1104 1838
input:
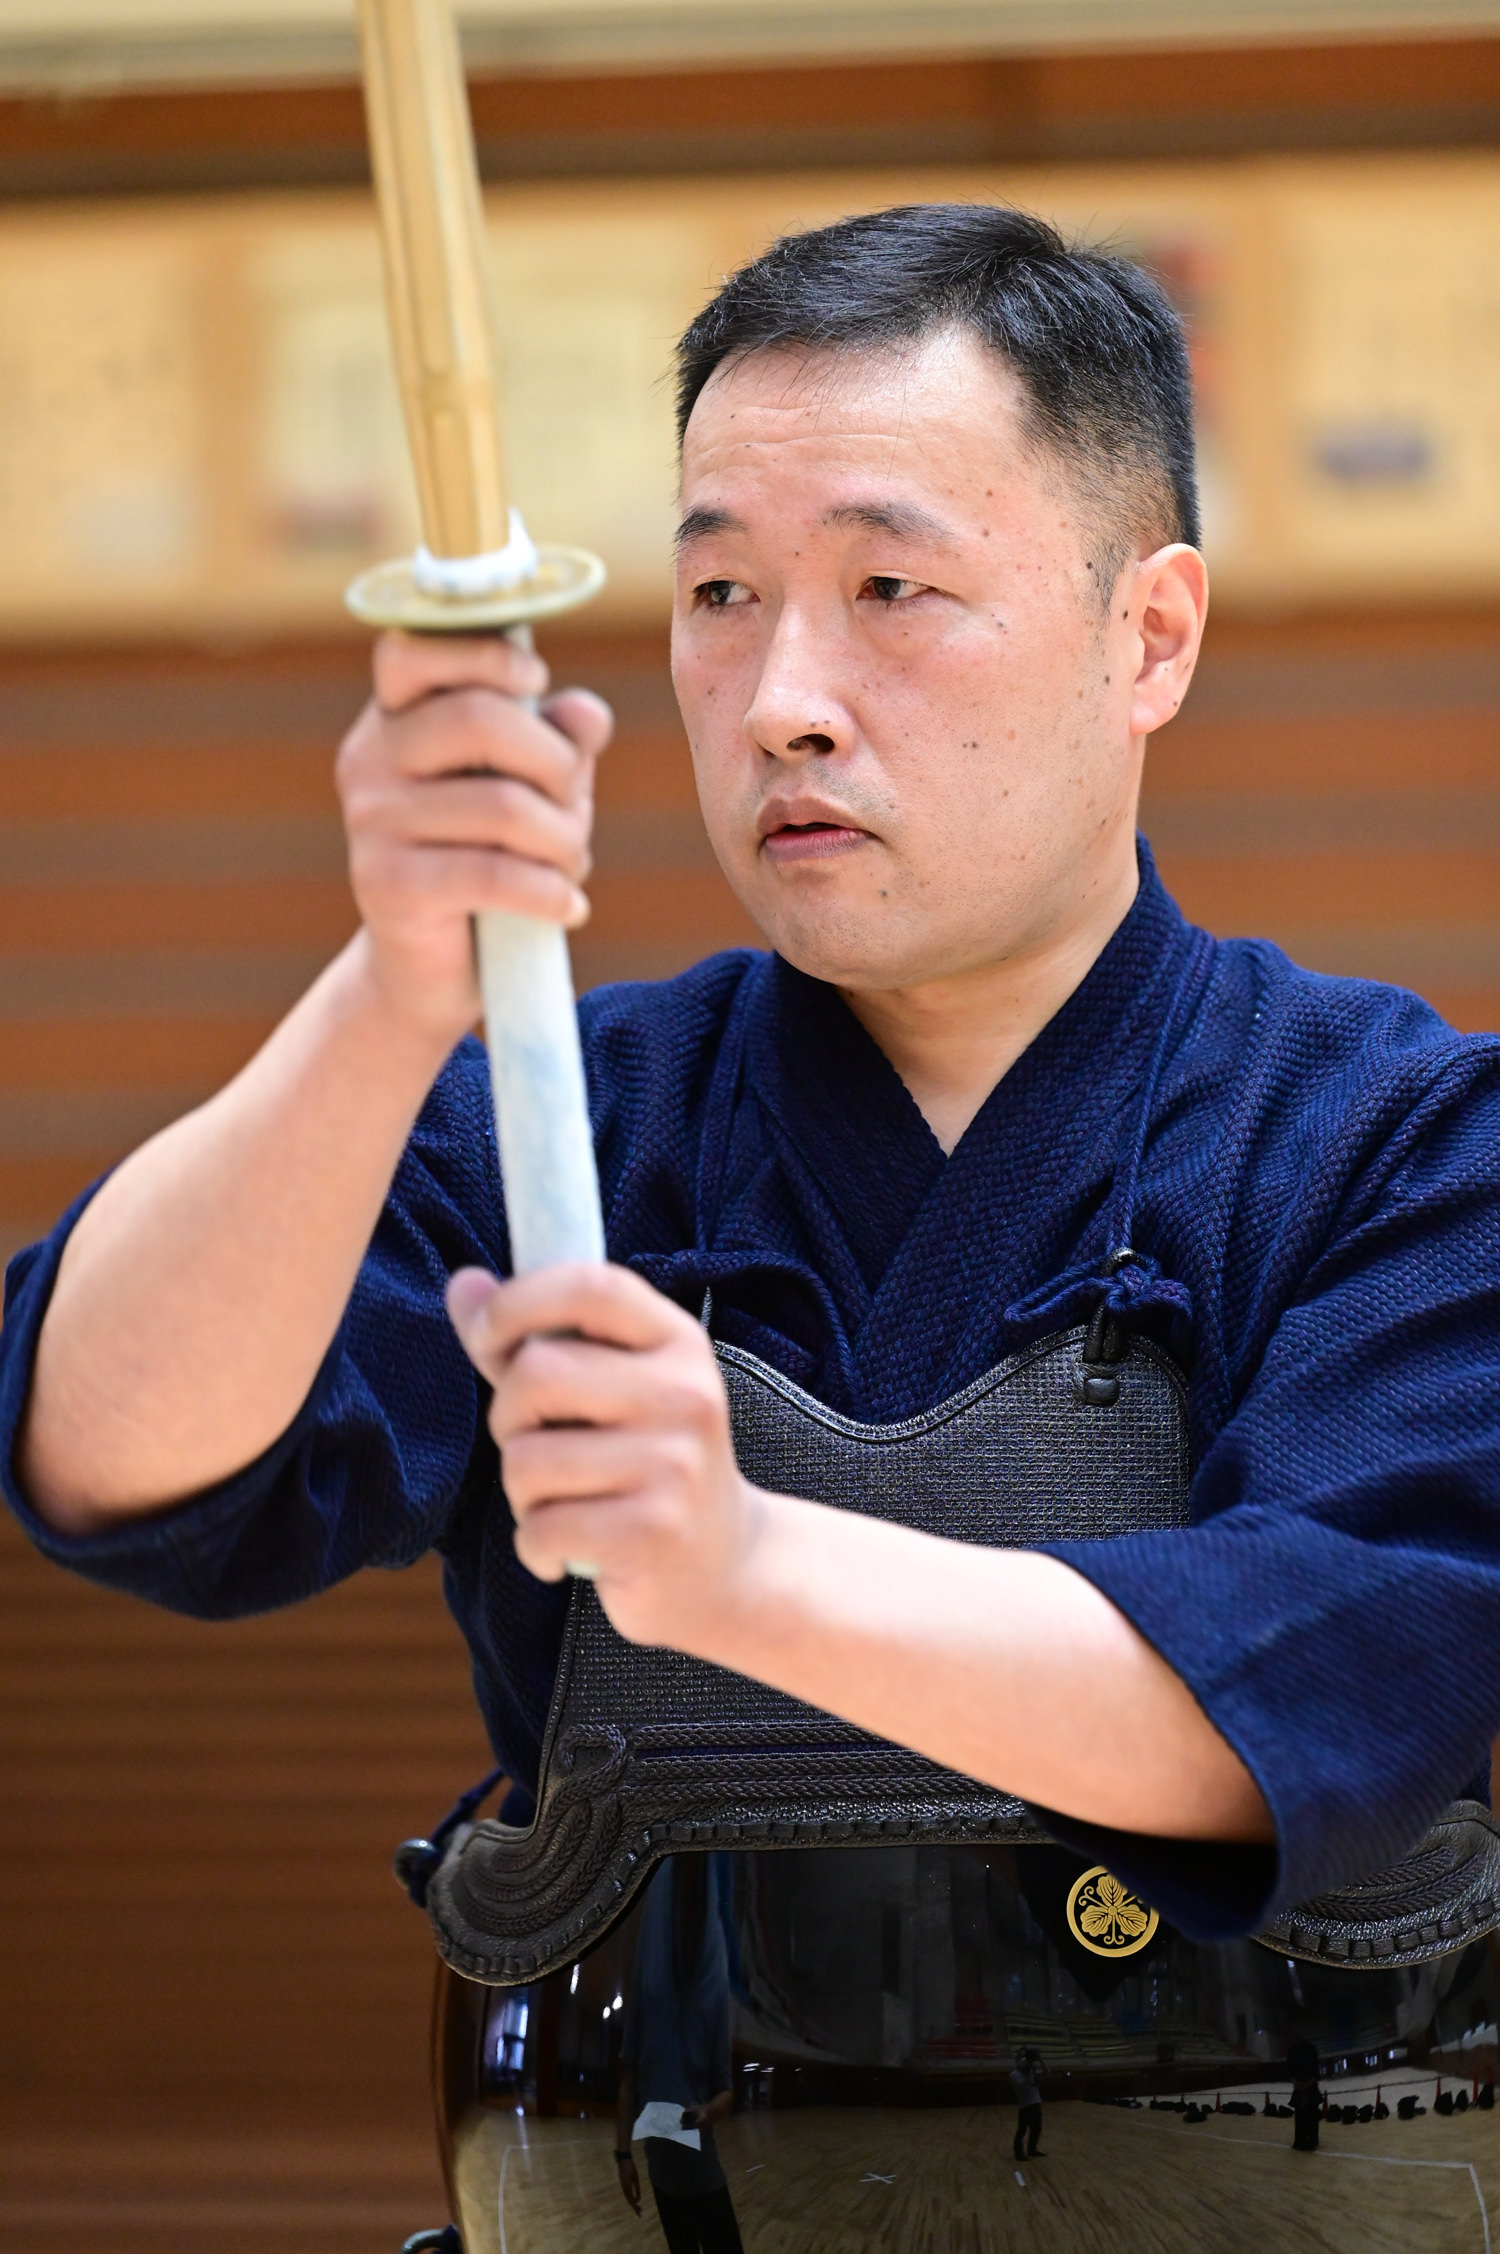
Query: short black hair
pixel 1092 338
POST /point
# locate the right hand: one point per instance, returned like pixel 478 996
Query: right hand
pixel 630 2181
pixel 456 798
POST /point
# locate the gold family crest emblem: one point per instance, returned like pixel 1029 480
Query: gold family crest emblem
pixel 1106 1917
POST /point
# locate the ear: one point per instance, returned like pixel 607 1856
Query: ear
pixel 1167 605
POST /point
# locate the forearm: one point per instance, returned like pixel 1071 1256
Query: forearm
pixel 1005 1665
pixel 205 1282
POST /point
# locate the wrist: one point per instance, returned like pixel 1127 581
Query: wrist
pixel 415 1031
pixel 765 1590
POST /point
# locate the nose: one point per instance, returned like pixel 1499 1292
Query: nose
pixel 795 713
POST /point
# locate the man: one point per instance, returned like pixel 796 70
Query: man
pixel 676 2069
pixel 1307 2097
pixel 937 587
pixel 1026 2087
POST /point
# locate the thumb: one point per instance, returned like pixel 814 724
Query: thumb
pixel 469 1296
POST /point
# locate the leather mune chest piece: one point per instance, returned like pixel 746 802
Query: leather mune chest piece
pixel 1080 1436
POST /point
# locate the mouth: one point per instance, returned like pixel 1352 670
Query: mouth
pixel 817 839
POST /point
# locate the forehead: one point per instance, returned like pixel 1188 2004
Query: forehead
pixel 942 408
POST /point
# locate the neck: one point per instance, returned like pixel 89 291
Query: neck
pixel 954 1039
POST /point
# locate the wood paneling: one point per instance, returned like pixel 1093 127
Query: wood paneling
pixel 195 1894
pixel 301 2188
pixel 105 1052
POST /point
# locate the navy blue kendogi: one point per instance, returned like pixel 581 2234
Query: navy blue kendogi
pixel 1307 1170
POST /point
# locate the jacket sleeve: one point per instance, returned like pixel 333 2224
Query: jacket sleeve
pixel 389 1437
pixel 1335 1606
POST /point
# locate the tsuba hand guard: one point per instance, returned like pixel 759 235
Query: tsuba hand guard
pixel 648 1751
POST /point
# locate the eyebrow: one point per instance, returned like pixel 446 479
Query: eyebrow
pixel 702 524
pixel 903 520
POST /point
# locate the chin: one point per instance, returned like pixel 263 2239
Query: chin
pixel 848 953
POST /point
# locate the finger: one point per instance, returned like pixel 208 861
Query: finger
pixel 585 1463
pixel 489 811
pixel 601 1301
pixel 475 732
pixel 586 720
pixel 466 880
pixel 550 1381
pixel 469 1293
pixel 582 1536
pixel 410 666
pixel 554 1381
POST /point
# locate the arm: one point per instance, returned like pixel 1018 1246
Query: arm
pixel 204 1283
pixel 1000 1664
pixel 718 2108
pixel 625 2112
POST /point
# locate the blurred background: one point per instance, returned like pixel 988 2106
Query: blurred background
pixel 212 1997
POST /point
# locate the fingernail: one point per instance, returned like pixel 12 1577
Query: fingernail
pixel 469 1293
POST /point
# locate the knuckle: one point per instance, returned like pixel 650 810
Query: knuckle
pixel 528 886
pixel 695 1404
pixel 425 879
pixel 354 752
pixel 375 866
pixel 681 1458
pixel 534 1367
pixel 457 723
pixel 366 805
pixel 517 1469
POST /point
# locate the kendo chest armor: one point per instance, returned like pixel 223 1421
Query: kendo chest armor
pixel 1080 1436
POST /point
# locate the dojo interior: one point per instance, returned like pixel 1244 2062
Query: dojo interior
pixel 213 1998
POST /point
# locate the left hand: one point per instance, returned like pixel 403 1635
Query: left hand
pixel 630 2180
pixel 615 1445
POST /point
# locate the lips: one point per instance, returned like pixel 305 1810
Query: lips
pixel 805 827
pixel 811 841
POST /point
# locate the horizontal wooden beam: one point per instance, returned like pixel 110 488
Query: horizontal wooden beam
pixel 73 43
pixel 957 109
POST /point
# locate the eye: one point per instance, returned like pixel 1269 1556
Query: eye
pixel 722 594
pixel 884 587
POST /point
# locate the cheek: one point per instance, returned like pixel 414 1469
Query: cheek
pixel 710 674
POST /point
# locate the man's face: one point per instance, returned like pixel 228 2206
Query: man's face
pixel 913 729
